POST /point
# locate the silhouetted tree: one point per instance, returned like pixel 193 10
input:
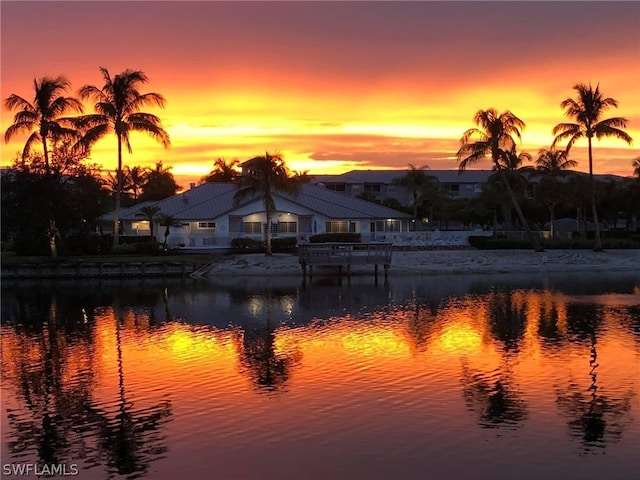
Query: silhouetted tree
pixel 263 175
pixel 159 184
pixel 223 171
pixel 494 137
pixel 587 110
pixel 118 104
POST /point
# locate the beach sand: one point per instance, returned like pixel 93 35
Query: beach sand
pixel 430 262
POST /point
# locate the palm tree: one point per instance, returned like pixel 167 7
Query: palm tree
pixel 149 214
pixel 167 221
pixel 494 137
pixel 551 164
pixel 587 110
pixel 135 178
pixel 43 118
pixel 118 105
pixel 262 175
pixel 415 180
pixel 159 183
pixel 223 171
pixel 636 167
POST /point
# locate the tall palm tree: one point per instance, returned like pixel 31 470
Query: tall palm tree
pixel 117 107
pixel 587 110
pixel 43 117
pixel 552 164
pixel 263 175
pixel 415 180
pixel 494 137
pixel 223 171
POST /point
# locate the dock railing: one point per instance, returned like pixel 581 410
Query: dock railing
pixel 342 254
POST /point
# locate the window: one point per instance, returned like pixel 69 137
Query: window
pixel 336 187
pixel 252 227
pixel 372 187
pixel 144 225
pixel 208 225
pixel 454 189
pixel 387 225
pixel 288 227
pixel 340 227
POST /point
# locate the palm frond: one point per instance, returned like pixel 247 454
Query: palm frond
pixel 90 92
pixel 608 131
pixel 33 138
pixel 16 128
pixel 155 131
pixel 93 134
pixel 13 102
pixel 63 104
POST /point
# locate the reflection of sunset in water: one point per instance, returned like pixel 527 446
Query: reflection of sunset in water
pixel 563 374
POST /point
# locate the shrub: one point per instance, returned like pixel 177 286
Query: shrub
pixel 31 242
pixel 150 247
pixel 478 241
pixel 125 249
pixel 284 245
pixel 335 237
pixel 85 244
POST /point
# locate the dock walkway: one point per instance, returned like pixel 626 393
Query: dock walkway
pixel 342 254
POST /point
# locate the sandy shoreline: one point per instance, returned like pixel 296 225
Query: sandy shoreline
pixel 429 262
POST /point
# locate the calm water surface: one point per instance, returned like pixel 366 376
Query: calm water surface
pixel 453 377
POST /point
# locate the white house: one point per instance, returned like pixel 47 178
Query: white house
pixel 209 217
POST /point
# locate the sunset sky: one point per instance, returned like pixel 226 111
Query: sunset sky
pixel 333 86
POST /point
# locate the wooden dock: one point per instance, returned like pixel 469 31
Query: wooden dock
pixel 341 255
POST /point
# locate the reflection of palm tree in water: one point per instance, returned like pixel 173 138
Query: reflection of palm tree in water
pixel 492 394
pixel 131 441
pixel 594 417
pixel 57 430
pixel 493 397
pixel 51 440
pixel 269 370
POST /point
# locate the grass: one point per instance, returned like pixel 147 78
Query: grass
pixel 9 258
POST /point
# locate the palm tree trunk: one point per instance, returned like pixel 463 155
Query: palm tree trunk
pixel 534 240
pixel 267 233
pixel 116 213
pixel 598 243
pixel 52 221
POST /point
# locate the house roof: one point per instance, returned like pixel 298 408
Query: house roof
pixel 212 200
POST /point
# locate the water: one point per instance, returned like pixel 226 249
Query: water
pixel 463 377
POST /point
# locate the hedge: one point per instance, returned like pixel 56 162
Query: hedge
pixel 335 237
